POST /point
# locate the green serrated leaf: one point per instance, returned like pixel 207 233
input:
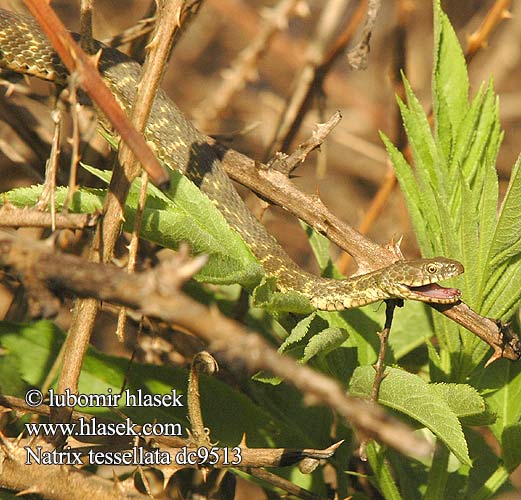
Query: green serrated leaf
pixel 466 136
pixel 291 302
pixel 320 246
pixel 469 239
pixel 507 236
pixel 444 132
pixel 500 385
pixel 299 332
pixel 502 299
pixel 450 80
pixel 383 476
pixel 463 399
pixel 412 396
pixel 487 221
pixel 483 132
pixel 324 342
pixel 420 138
pixel 362 324
pixel 411 192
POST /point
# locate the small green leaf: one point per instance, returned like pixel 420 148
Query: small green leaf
pixel 488 121
pixel 507 236
pixel 503 297
pixel 466 137
pixel 298 333
pixel 420 138
pixel 469 238
pixel 324 342
pixel 362 325
pixel 411 191
pixel 383 476
pixel 412 396
pixel 320 246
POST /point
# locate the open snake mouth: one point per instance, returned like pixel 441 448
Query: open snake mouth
pixel 436 293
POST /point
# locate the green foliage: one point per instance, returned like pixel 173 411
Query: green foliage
pixel 187 216
pixel 422 402
pixel 452 197
pixel 451 191
pixel 228 412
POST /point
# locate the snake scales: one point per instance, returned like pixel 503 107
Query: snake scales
pixel 179 145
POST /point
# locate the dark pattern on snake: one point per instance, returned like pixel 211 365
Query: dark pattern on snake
pixel 179 145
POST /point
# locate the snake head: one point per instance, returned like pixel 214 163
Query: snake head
pixel 417 280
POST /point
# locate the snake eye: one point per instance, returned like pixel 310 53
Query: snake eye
pixel 432 268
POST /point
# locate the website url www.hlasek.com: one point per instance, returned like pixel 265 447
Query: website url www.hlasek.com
pixel 93 427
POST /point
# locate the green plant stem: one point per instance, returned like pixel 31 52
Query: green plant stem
pixel 494 482
pixel 438 473
pixel 382 472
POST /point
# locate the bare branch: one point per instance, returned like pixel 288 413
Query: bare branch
pixel 357 57
pixel 11 216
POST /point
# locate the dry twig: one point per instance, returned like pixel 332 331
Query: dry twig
pixel 357 57
pixel 320 58
pixel 14 217
pixel 243 68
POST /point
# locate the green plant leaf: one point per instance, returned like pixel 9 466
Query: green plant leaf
pixel 382 473
pixel 469 237
pixel 507 236
pixel 424 225
pixel 190 217
pixel 450 80
pixel 463 399
pixel 500 385
pixel 298 333
pixel 361 325
pixel 412 396
pixel 324 342
pixel 320 246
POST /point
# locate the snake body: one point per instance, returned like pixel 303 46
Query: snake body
pixel 179 145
